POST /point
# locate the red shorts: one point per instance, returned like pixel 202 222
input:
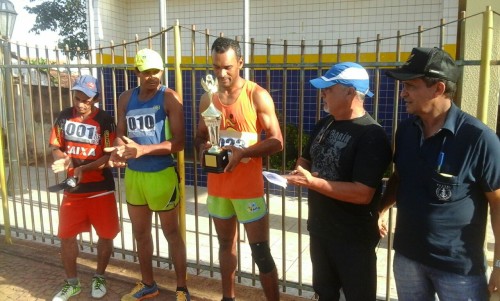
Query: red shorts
pixel 79 211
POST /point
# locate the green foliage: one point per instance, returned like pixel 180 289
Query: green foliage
pixel 42 61
pixel 291 148
pixel 66 17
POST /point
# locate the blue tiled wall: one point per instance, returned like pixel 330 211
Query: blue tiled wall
pixel 310 107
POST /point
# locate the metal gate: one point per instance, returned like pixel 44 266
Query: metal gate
pixel 35 88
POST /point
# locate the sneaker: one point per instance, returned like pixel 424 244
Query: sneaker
pixel 68 291
pixel 141 292
pixel 182 296
pixel 98 287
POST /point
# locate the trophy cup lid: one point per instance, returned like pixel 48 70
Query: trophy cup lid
pixel 211 112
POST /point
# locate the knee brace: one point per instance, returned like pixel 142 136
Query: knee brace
pixel 261 254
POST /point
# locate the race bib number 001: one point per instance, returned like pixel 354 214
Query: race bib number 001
pixel 81 132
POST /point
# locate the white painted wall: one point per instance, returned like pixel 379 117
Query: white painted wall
pixel 473 37
pixel 279 20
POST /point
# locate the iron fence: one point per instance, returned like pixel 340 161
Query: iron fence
pixel 36 86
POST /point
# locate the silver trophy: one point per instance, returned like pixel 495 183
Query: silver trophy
pixel 215 158
pixel 70 182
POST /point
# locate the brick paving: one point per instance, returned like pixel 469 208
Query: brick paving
pixel 31 270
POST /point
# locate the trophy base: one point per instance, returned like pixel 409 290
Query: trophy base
pixel 215 162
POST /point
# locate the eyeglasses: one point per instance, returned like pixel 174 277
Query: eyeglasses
pixel 326 132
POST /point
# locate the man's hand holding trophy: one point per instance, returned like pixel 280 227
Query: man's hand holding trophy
pixel 215 158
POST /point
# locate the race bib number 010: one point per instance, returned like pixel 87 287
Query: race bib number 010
pixel 141 123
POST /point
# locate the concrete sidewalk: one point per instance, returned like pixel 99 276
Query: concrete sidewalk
pixel 31 270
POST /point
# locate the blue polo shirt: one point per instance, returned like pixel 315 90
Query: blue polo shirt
pixel 442 209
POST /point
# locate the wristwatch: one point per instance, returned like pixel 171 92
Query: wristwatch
pixel 496 263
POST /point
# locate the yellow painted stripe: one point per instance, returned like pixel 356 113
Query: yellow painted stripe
pixel 385 57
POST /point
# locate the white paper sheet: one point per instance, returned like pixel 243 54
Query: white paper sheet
pixel 275 178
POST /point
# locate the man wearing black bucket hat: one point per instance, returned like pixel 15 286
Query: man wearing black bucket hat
pixel 342 167
pixel 447 172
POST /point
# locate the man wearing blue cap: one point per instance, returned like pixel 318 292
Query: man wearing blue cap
pixel 342 167
pixel 77 141
pixel 447 173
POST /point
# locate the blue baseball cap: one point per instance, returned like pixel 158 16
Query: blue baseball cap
pixel 87 84
pixel 347 74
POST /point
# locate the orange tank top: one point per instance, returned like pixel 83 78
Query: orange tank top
pixel 241 127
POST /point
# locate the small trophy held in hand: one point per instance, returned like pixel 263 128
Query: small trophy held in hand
pixel 70 182
pixel 215 158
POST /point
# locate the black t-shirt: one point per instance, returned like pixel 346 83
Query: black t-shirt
pixel 355 150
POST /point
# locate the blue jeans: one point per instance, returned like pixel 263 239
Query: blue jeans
pixel 418 282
